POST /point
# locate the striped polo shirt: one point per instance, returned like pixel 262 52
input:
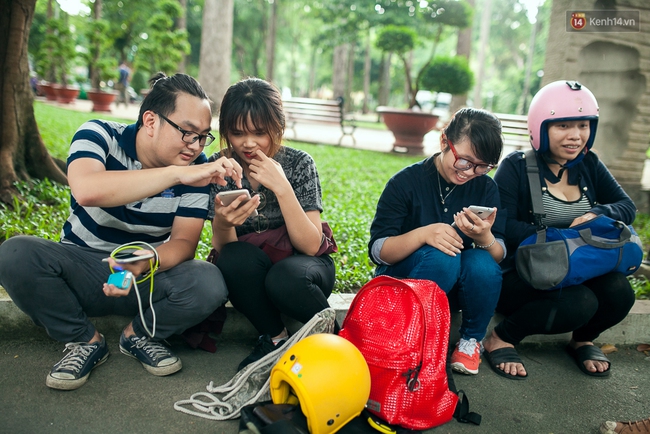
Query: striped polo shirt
pixel 149 220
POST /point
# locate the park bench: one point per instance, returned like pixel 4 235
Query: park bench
pixel 515 131
pixel 318 111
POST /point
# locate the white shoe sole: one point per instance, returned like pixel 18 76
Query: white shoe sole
pixel 459 367
pixel 61 384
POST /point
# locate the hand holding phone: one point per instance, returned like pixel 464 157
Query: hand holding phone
pixel 227 197
pixel 482 212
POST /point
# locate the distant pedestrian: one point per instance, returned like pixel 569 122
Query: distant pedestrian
pixel 123 84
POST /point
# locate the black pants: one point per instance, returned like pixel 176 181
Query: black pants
pixel 60 285
pixel 587 310
pixel 297 286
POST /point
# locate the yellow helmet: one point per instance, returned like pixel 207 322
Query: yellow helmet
pixel 329 377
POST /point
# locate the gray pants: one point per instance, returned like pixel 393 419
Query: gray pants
pixel 60 285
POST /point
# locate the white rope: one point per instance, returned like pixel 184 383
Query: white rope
pixel 246 387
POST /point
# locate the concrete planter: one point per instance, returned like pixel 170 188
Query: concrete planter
pixel 101 99
pixel 48 90
pixel 409 128
pixel 66 94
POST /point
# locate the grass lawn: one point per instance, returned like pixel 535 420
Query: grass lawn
pixel 351 179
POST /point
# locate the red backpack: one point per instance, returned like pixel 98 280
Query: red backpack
pixel 402 329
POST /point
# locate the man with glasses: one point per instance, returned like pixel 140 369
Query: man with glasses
pixel 412 235
pixel 148 184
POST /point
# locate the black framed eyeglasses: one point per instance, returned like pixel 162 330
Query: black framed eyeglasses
pixel 463 164
pixel 190 137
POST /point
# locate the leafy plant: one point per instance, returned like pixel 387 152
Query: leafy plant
pixel 447 74
pixel 163 48
pixel 435 17
pixel 101 65
pixel 57 52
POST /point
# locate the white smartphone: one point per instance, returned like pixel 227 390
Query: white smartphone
pixel 126 257
pixel 227 197
pixel 482 212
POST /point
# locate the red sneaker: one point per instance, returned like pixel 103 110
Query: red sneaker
pixel 466 357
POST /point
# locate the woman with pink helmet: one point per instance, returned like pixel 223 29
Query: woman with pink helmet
pixel 576 187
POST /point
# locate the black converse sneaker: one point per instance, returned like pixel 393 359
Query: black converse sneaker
pixel 73 370
pixel 154 356
pixel 264 346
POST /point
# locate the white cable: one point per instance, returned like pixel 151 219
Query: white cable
pixel 148 275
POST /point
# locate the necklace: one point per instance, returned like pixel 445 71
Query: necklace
pixel 442 199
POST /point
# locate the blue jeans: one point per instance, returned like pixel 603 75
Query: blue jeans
pixel 473 275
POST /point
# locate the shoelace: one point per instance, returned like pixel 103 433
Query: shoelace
pixel 78 354
pixel 154 349
pixel 640 426
pixel 467 346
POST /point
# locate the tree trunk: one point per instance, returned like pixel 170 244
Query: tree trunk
pixel 270 40
pixel 216 49
pixel 348 106
pixel 340 64
pixel 93 71
pixel 182 25
pixel 384 77
pixel 366 76
pixel 484 36
pixel 463 48
pixel 22 152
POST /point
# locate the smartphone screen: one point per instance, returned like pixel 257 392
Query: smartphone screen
pixel 227 197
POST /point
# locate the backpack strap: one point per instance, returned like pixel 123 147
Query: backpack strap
pixel 462 413
pixel 532 171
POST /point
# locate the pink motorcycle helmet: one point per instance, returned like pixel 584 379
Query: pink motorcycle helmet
pixel 561 101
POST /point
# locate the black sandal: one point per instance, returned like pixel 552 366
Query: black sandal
pixel 589 352
pixel 504 355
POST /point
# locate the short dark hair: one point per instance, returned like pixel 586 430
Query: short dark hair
pixel 257 99
pixel 164 90
pixel 483 130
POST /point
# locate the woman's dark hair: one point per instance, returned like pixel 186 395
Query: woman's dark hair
pixel 483 130
pixel 164 90
pixel 257 100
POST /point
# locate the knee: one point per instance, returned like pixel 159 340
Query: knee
pixel 433 258
pixel 479 266
pixel 208 291
pixel 17 258
pixel 240 257
pixel 581 306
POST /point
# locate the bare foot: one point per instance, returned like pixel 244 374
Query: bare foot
pixel 591 365
pixel 493 342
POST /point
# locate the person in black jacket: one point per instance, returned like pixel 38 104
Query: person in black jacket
pixel 576 187
pixel 412 236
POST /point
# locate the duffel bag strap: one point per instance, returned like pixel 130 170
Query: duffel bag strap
pixel 532 170
pixel 625 236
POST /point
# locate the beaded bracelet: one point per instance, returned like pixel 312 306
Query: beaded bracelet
pixel 494 240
